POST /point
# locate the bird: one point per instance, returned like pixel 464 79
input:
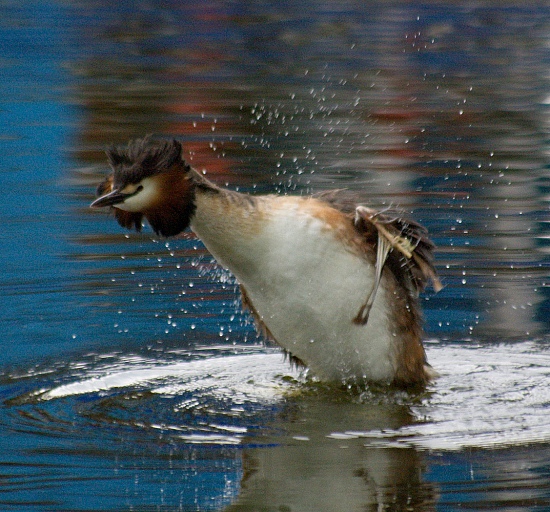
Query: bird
pixel 330 280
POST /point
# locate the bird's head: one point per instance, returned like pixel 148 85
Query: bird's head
pixel 150 179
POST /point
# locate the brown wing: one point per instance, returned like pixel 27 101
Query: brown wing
pixel 412 257
pixel 412 250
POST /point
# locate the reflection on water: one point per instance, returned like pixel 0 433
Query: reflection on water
pixel 272 433
pixel 130 379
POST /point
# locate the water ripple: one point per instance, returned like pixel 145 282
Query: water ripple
pixel 486 396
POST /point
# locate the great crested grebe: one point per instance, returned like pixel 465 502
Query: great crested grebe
pixel 334 283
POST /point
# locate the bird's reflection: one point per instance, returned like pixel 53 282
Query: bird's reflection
pixel 335 456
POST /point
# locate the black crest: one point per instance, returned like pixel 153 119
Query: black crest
pixel 145 157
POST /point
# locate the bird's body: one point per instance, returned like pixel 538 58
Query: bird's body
pixel 305 280
pixel 307 266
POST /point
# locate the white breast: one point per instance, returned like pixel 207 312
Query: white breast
pixel 307 286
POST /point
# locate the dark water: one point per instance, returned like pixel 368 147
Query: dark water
pixel 130 380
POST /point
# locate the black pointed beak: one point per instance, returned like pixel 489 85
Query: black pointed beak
pixel 111 199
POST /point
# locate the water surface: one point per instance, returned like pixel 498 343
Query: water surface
pixel 130 379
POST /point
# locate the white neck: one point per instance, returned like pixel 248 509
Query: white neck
pixel 227 224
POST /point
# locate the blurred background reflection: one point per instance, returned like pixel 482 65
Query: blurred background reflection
pixel 439 108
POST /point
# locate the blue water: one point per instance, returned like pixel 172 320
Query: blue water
pixel 130 379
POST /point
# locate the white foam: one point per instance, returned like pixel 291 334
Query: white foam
pixel 256 376
pixel 486 396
